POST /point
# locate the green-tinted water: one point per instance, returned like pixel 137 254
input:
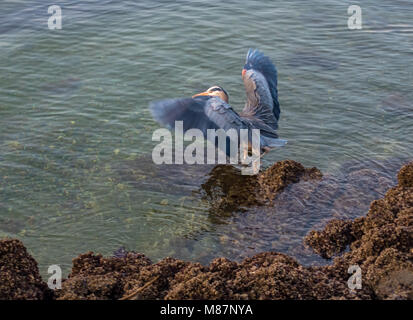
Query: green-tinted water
pixel 75 130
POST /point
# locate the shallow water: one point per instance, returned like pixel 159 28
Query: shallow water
pixel 75 130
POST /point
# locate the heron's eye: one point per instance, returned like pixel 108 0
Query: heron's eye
pixel 215 89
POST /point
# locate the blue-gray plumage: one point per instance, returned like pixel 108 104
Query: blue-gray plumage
pixel 210 109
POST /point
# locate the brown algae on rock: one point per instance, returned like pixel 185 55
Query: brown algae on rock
pixel 19 275
pixel 227 190
pixel 379 243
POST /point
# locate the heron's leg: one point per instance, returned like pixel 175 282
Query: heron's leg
pixel 266 150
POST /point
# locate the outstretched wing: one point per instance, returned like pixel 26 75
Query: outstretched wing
pixel 197 113
pixel 260 81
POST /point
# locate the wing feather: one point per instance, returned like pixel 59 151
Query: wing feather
pixel 201 113
pixel 260 82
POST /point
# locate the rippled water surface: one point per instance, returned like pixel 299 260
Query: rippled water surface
pixel 75 131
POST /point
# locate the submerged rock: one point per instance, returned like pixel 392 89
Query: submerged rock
pixel 397 104
pixel 277 177
pixel 305 59
pixel 63 86
pixel 227 190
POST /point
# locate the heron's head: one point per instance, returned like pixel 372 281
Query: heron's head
pixel 214 91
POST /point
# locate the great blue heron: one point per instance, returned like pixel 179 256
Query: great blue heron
pixel 210 109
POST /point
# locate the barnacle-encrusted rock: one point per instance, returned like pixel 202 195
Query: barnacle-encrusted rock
pixel 227 190
pixel 380 244
pixel 19 274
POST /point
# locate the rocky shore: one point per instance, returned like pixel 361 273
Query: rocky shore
pixel 380 243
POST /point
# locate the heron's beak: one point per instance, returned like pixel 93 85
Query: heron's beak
pixel 201 94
